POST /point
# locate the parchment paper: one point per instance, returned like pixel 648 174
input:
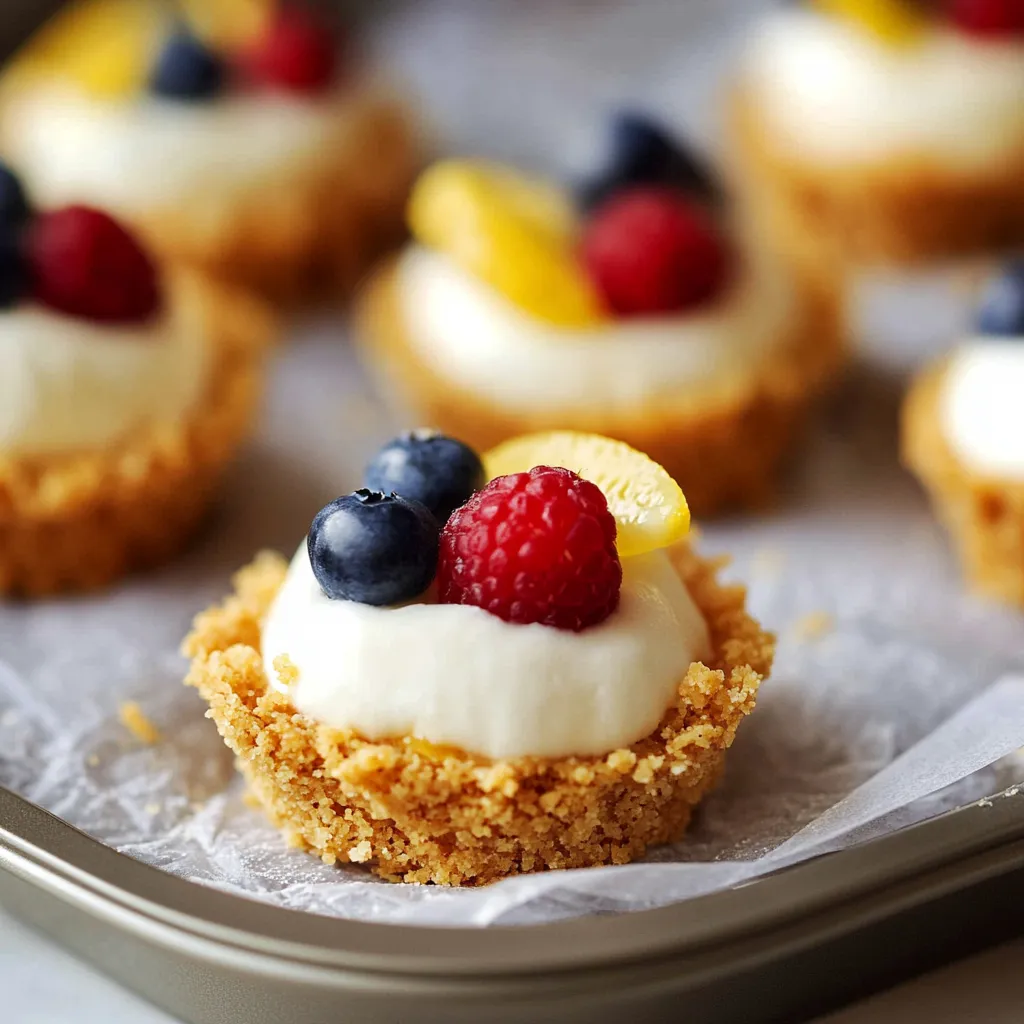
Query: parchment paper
pixel 895 695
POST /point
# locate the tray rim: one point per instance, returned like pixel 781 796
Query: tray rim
pixel 983 838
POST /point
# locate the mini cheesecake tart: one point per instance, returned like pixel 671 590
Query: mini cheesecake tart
pixel 963 436
pixel 550 680
pixel 892 135
pixel 124 391
pixel 639 314
pixel 242 148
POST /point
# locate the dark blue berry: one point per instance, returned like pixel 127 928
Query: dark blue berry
pixel 430 468
pixel 1001 310
pixel 374 548
pixel 643 153
pixel 14 208
pixel 187 70
pixel 14 271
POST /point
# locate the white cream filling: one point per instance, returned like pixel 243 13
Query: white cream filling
pixel 152 152
pixel 68 384
pixel 470 335
pixel 982 406
pixel 458 676
pixel 834 94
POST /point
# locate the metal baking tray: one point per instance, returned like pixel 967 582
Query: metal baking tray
pixel 785 947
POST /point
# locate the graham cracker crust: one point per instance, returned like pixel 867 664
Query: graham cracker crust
pixel 984 515
pixel 83 520
pixel 413 812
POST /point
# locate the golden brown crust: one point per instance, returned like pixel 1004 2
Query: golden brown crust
pixel 725 447
pixel 424 814
pixel 984 515
pixel 312 231
pixel 902 212
pixel 82 520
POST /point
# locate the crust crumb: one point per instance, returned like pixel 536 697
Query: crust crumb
pixel 135 721
pixel 813 626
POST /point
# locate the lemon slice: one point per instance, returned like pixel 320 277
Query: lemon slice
pixel 105 47
pixel 515 232
pixel 897 22
pixel 647 503
pixel 228 24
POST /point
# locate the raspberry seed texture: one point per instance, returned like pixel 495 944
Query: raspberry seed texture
pixel 533 547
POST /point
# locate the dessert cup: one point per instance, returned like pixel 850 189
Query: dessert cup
pixel 82 518
pixel 417 812
pixel 904 151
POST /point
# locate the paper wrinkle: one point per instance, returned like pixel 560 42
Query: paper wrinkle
pixel 894 703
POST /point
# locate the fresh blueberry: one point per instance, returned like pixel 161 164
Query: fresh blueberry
pixel 1001 310
pixel 374 548
pixel 187 70
pixel 643 153
pixel 14 272
pixel 427 467
pixel 14 208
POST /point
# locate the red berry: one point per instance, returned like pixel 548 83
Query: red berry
pixel 533 547
pixel 84 263
pixel 991 19
pixel 297 52
pixel 651 250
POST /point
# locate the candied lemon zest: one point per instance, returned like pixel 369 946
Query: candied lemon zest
pixel 893 21
pixel 649 506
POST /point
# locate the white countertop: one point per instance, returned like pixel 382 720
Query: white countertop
pixel 43 985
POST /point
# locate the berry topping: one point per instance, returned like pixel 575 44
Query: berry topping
pixel 513 232
pixel 427 467
pixel 896 22
pixel 14 208
pixel 82 262
pixel 651 251
pixel 373 548
pixel 989 19
pixel 14 274
pixel 187 70
pixel 646 502
pixel 296 52
pixel 642 153
pixel 1001 310
pixel 533 547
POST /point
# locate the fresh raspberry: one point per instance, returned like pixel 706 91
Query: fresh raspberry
pixel 533 547
pixel 297 52
pixel 651 251
pixel 83 262
pixel 992 19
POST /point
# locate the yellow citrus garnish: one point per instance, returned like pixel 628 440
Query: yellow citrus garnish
pixel 893 21
pixel 647 503
pixel 228 24
pixel 514 232
pixel 105 47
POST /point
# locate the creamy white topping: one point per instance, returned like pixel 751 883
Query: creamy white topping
pixel 68 384
pixel 459 676
pixel 71 147
pixel 469 334
pixel 983 406
pixel 835 94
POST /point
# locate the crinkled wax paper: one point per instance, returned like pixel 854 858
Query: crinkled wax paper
pixel 895 695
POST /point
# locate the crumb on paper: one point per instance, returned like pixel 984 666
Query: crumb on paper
pixel 153 809
pixel 813 625
pixel 93 760
pixel 768 562
pixel 133 719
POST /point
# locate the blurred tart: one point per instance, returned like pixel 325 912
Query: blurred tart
pixel 550 680
pixel 637 312
pixel 125 388
pixel 232 138
pixel 892 130
pixel 963 436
